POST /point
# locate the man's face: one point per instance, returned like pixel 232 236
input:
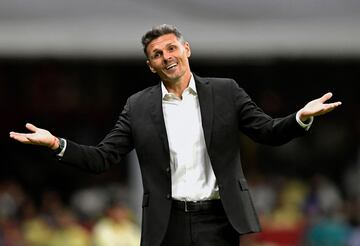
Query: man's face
pixel 168 57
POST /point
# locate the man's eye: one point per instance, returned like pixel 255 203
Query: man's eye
pixel 156 55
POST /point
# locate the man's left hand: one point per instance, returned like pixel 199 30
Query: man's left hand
pixel 317 107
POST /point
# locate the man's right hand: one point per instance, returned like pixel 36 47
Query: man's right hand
pixel 37 136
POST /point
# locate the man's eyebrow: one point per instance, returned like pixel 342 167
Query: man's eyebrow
pixel 155 50
pixel 171 43
pixel 166 45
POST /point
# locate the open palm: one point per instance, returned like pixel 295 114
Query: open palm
pixel 37 136
pixel 318 107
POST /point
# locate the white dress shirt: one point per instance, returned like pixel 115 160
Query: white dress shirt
pixel 192 176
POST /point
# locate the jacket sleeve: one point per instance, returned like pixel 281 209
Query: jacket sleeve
pixel 259 126
pixel 116 144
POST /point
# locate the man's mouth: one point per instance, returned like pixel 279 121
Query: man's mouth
pixel 171 66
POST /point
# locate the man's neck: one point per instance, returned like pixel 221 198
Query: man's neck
pixel 178 87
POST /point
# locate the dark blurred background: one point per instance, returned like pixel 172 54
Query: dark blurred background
pixel 70 67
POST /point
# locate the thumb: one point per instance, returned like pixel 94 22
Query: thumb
pixel 31 127
pixel 326 97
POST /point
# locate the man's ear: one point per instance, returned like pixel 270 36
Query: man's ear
pixel 187 49
pixel 150 67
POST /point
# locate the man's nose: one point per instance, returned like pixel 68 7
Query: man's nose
pixel 167 57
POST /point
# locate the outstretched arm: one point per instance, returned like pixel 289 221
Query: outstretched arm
pixel 37 136
pixel 317 107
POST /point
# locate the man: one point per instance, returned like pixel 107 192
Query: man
pixel 185 132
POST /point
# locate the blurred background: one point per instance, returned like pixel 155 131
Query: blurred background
pixel 69 66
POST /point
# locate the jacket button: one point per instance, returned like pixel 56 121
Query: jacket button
pixel 168 196
pixel 168 169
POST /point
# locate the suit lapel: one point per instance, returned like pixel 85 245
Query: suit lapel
pixel 157 115
pixel 205 95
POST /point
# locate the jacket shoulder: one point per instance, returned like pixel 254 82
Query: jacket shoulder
pixel 219 84
pixel 143 94
pixel 215 80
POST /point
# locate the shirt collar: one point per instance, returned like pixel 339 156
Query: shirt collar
pixel 191 87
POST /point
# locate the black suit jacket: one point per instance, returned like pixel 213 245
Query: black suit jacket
pixel 225 109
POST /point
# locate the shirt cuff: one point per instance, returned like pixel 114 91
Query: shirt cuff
pixel 306 126
pixel 61 154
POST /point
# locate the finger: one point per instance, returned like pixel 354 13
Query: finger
pixel 326 97
pixel 333 105
pixel 336 104
pixel 20 137
pixel 31 127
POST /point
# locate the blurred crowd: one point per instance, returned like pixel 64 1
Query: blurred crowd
pixel 313 211
pixel 307 212
pixel 297 212
pixel 94 216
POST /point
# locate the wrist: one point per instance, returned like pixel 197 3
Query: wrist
pixel 55 144
pixel 61 146
pixel 303 118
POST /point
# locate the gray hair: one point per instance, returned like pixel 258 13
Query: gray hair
pixel 158 31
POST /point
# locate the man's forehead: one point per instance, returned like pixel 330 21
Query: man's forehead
pixel 163 40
